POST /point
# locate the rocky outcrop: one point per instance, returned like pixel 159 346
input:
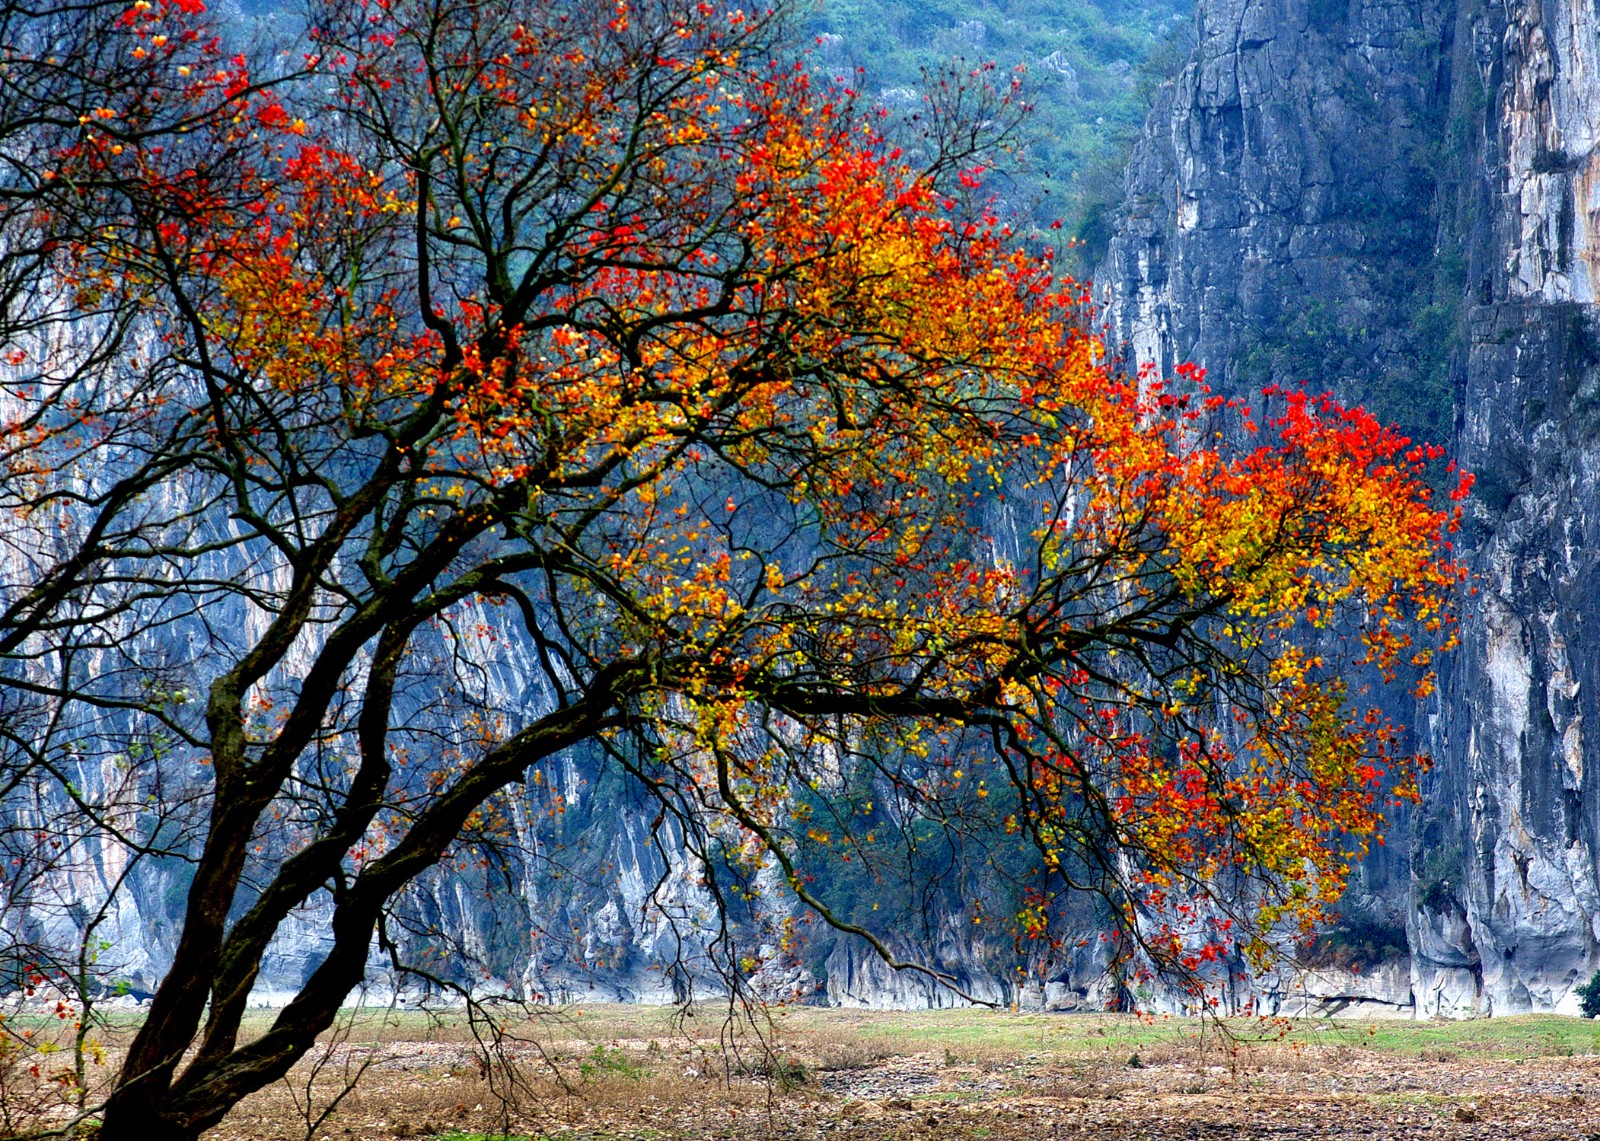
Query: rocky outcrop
pixel 1521 751
pixel 1398 200
pixel 1395 199
pixel 1279 222
pixel 1401 202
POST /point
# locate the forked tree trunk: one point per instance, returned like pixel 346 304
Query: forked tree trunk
pixel 154 1101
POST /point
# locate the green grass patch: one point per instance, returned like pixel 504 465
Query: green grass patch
pixel 974 1035
pixel 615 1041
pixel 1413 1100
pixel 604 1062
pixel 1521 1036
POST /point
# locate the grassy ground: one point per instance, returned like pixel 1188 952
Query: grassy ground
pixel 612 1073
pixel 616 1073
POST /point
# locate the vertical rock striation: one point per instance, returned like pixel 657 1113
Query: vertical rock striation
pixel 1401 202
pixel 1395 199
pixel 1279 216
pixel 1520 710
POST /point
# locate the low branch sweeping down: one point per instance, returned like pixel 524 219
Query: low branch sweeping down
pixel 586 333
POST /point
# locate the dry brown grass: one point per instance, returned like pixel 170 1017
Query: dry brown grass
pixel 632 1074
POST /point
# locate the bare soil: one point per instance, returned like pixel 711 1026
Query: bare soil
pixel 876 1077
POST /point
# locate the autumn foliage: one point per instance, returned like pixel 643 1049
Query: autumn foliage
pixel 602 330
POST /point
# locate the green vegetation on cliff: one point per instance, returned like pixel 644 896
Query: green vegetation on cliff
pixel 1091 67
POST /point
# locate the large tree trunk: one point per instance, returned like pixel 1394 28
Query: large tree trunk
pixel 149 1103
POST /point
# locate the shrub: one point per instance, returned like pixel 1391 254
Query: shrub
pixel 1589 996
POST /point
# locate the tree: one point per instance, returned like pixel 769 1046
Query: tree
pixel 1589 996
pixel 586 333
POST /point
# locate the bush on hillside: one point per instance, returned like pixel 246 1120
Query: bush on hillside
pixel 1589 996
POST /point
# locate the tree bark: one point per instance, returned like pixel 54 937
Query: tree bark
pixel 149 1104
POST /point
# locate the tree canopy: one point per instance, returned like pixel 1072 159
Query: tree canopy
pixel 594 338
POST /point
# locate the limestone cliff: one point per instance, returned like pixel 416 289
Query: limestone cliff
pixel 1400 201
pixel 1395 199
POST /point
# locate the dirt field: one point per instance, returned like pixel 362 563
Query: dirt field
pixel 623 1074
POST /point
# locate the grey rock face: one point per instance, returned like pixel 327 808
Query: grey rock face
pixel 1279 213
pixel 1401 202
pixel 1521 750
